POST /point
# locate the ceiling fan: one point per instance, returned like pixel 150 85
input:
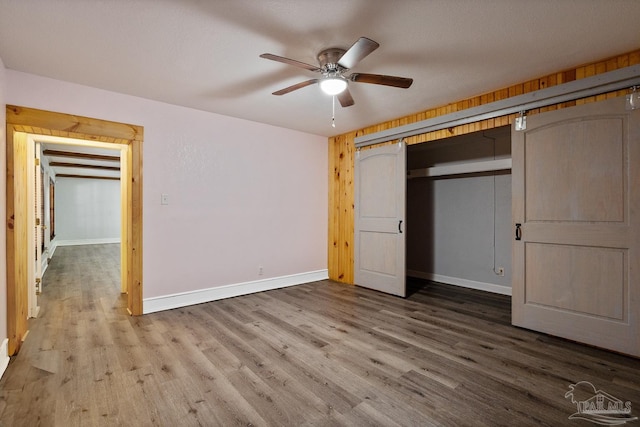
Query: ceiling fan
pixel 333 64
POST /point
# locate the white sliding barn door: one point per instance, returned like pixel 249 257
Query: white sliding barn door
pixel 380 193
pixel 576 213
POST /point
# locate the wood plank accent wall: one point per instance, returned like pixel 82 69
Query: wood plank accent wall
pixel 40 122
pixel 342 149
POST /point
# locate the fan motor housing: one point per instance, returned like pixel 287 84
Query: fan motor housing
pixel 328 58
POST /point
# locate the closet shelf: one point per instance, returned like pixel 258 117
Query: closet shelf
pixel 461 168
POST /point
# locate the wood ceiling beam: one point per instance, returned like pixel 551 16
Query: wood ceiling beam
pixel 90 156
pixel 85 166
pixel 62 175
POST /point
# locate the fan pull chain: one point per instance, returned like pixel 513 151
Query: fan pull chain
pixel 333 116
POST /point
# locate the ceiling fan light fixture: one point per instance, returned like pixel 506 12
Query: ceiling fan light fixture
pixel 333 64
pixel 333 85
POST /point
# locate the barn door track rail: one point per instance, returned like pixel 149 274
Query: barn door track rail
pixel 623 78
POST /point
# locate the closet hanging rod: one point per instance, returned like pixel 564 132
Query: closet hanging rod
pixel 571 91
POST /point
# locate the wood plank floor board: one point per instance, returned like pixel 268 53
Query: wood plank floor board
pixel 38 390
pixel 318 365
pixel 343 318
pixel 451 406
pixel 344 333
pixel 293 331
pixel 372 374
pixel 343 321
pixel 506 368
pixel 512 402
pixel 235 308
pixel 239 328
pixel 335 397
pixel 457 394
pixel 319 354
pixel 456 322
pixel 362 415
pixel 273 407
pixel 536 372
pixel 228 405
pixel 140 397
pixel 130 357
pixel 264 380
pixel 198 365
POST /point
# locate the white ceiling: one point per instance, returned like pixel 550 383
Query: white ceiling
pixel 205 54
pixel 83 166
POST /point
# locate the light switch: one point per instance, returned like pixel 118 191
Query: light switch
pixel 164 199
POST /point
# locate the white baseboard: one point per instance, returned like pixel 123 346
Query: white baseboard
pixel 4 356
pixel 482 286
pixel 168 302
pixel 87 242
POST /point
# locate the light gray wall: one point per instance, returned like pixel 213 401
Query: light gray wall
pixel 453 221
pixel 87 211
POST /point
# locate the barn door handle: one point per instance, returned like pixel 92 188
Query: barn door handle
pixel 518 232
pixel 400 227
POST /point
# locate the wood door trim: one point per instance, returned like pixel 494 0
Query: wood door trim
pixel 41 122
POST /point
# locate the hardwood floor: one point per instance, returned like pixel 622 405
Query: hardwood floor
pixel 320 354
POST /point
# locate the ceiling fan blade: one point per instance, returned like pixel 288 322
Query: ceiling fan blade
pixel 295 87
pixel 379 79
pixel 356 53
pixel 290 62
pixel 345 98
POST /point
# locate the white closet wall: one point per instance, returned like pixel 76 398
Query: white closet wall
pixel 87 211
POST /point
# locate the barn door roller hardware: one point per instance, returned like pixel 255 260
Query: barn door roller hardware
pixel 623 78
pixel 521 121
pixel 633 99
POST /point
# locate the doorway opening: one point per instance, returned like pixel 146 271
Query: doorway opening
pixel 22 124
pixel 90 200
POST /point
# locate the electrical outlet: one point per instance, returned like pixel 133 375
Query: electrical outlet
pixel 164 199
pixel 260 270
pixel 500 271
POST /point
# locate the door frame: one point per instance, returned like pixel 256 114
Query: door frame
pixel 21 120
